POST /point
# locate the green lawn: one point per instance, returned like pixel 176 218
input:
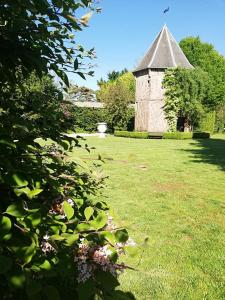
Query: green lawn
pixel 172 192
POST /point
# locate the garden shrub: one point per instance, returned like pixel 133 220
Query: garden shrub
pixel 131 134
pixel 207 122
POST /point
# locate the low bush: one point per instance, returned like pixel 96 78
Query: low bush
pixel 201 135
pixel 177 135
pixel 131 134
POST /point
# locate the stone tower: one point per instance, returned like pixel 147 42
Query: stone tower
pixel 164 53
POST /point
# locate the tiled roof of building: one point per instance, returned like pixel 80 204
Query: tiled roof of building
pixel 164 53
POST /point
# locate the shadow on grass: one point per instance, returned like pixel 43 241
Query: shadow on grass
pixel 210 151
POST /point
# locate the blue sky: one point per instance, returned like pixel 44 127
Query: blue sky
pixel 125 29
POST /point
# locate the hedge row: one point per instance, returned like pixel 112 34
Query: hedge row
pixel 177 135
pixel 87 118
pixel 132 134
pixel 165 135
pixel 186 135
pixel 201 135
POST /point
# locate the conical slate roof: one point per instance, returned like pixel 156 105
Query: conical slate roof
pixel 164 53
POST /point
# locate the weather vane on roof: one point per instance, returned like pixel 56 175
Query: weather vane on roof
pixel 166 10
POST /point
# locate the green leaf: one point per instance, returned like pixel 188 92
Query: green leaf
pixel 81 75
pixel 16 210
pixel 71 239
pixel 34 193
pixel 83 227
pixel 17 280
pixel 79 202
pixel 46 265
pixel 5 264
pixel 35 218
pixel 5 225
pixel 68 210
pixel 51 293
pixel 100 221
pixel 20 191
pixel 19 180
pixel 121 235
pixel 88 212
pixel 55 229
pixel 57 237
pixel 76 64
pixel 66 80
pixel 107 235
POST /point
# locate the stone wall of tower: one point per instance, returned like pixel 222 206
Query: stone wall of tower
pixel 142 101
pixel 150 101
pixel 157 120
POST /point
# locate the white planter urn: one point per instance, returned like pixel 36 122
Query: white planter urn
pixel 102 127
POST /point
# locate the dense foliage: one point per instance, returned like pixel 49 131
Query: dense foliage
pixel 55 242
pixel 126 81
pixel 207 122
pixel 205 56
pixel 220 118
pixel 187 95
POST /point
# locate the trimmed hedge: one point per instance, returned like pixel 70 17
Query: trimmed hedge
pixel 201 135
pixel 87 118
pixel 186 135
pixel 166 135
pixel 177 135
pixel 132 134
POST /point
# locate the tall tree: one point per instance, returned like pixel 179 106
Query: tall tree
pixel 112 76
pixel 205 56
pixel 117 96
pixel 126 80
pixel 77 93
